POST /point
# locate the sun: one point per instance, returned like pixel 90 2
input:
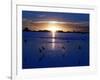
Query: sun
pixel 53 28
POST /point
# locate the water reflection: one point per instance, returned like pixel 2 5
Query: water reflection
pixel 53 40
pixel 53 43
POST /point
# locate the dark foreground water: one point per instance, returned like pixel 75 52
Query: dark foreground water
pixel 40 50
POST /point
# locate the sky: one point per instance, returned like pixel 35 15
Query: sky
pixel 31 17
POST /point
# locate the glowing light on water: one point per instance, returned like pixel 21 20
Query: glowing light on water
pixel 53 28
pixel 53 34
pixel 53 43
pixel 53 38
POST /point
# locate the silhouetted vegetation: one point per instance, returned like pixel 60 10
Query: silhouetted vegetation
pixel 26 29
pixel 59 31
pixel 43 31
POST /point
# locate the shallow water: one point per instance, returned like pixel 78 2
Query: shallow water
pixel 41 50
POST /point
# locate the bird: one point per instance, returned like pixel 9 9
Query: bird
pixel 43 47
pixel 79 47
pixel 25 40
pixel 40 50
pixel 41 56
pixel 63 47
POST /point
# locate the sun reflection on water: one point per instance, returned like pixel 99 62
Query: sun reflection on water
pixel 53 40
pixel 52 26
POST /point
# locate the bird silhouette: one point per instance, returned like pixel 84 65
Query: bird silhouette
pixel 25 40
pixel 79 47
pixel 41 56
pixel 63 47
pixel 43 47
pixel 40 50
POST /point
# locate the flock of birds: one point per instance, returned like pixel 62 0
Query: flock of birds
pixel 43 48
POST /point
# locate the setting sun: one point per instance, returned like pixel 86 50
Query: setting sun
pixel 53 28
pixel 53 39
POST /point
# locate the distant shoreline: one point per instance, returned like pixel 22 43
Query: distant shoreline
pixel 56 31
pixel 59 31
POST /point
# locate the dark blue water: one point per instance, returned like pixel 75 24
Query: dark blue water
pixel 40 50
